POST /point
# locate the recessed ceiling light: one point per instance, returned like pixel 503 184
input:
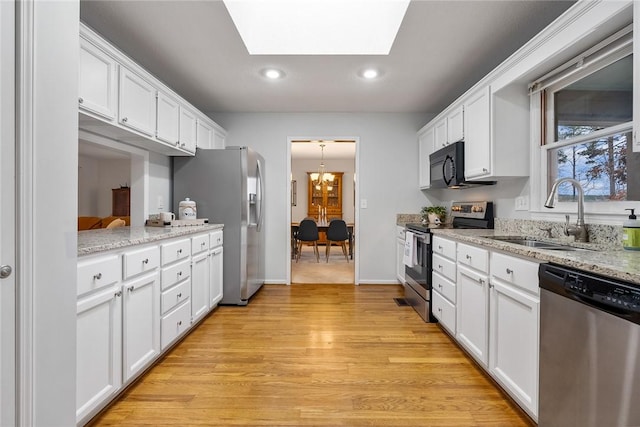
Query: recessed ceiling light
pixel 272 73
pixel 317 27
pixel 370 73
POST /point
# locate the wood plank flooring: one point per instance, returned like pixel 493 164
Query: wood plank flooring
pixel 315 355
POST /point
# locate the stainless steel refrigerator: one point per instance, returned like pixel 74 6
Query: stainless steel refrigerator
pixel 228 188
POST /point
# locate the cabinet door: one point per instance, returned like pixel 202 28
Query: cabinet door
pixel 168 116
pixel 472 322
pixel 187 130
pixel 215 277
pixel 97 81
pixel 400 260
pixel 204 135
pixel 426 142
pixel 455 125
pixel 137 106
pixel 441 137
pixel 98 350
pixel 477 138
pixel 514 343
pixel 141 323
pixel 199 286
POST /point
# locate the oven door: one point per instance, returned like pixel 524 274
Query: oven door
pixel 418 276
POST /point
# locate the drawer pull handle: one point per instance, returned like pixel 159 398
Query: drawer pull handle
pixel 439 267
pixel 117 294
pixel 179 273
pixel 80 100
pixel 180 323
pixel 439 247
pixel 509 271
pixel 439 309
pixel 97 276
pixel 439 285
pixel 125 120
pixel 468 256
pixel 179 251
pixel 481 281
pixel 130 288
pixel 145 261
pixel 202 244
pixel 179 295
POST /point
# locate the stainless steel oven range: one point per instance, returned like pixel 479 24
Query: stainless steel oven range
pixel 417 286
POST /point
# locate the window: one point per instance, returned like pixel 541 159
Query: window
pixel 586 123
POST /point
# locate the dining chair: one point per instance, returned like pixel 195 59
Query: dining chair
pixel 308 232
pixel 338 233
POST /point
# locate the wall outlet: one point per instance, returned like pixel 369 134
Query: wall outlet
pixel 160 203
pixel 363 203
pixel 522 203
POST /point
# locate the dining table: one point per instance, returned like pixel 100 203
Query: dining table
pixel 322 227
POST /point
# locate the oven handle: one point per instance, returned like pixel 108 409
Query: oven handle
pixel 421 236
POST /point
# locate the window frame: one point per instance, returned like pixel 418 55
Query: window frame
pixel 543 140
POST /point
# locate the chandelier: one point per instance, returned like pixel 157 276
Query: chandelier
pixel 321 177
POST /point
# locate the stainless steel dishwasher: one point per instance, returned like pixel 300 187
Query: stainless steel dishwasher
pixel 589 349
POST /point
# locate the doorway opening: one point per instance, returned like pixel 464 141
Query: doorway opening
pixel 323 187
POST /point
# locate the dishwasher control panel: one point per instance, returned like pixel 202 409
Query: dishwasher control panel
pixel 603 290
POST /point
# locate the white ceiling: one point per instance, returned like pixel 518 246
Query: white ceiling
pixel 441 50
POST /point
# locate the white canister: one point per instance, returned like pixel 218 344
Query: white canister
pixel 187 209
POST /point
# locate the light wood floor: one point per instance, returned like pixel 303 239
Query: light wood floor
pixel 315 355
pixel 307 270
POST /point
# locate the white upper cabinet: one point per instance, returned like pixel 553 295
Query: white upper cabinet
pixel 149 114
pixel 477 144
pixel 426 141
pixel 441 138
pixel 187 130
pixel 137 109
pixel 455 125
pixel 97 81
pixel 168 116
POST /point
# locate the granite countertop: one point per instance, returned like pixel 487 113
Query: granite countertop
pixel 102 240
pixel 607 260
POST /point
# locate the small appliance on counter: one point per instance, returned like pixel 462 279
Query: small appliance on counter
pixel 418 252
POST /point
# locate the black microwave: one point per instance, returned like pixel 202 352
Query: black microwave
pixel 447 168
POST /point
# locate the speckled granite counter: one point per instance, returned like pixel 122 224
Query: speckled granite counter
pixel 610 261
pixel 96 241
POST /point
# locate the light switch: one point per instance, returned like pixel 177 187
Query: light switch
pixel 160 203
pixel 363 203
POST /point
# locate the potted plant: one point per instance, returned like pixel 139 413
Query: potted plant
pixel 434 214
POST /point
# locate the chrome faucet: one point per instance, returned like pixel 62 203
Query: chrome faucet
pixel 580 229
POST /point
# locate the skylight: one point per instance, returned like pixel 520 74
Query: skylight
pixel 317 27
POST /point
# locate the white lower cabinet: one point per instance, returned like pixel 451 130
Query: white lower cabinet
pixel 175 323
pixel 444 311
pixel 472 309
pixel 400 241
pixel 98 350
pixel 199 286
pixel 513 331
pixel 215 276
pixel 140 323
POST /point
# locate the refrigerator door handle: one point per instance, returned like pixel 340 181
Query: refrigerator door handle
pixel 260 195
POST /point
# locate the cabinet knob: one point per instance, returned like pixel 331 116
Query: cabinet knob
pixel 179 273
pixel 97 276
pixel 124 120
pixel 509 271
pixel 439 247
pixel 145 261
pixel 179 295
pixel 468 256
pixel 5 271
pixel 179 322
pixel 481 281
pixel 439 285
pixel 179 251
pixel 484 170
pixel 439 267
pixel 117 294
pixel 80 100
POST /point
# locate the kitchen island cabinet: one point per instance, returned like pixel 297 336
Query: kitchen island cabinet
pixel 134 302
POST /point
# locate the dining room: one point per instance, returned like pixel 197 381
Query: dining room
pixel 323 219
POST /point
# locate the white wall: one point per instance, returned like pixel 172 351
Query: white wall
pixel 387 177
pixel 88 188
pixel 299 169
pixel 159 193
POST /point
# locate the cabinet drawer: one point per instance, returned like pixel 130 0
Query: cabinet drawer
pixel 140 261
pixel 444 247
pixel 199 243
pixel 98 272
pixel 175 251
pixel 215 238
pixel 175 273
pixel 515 271
pixel 444 311
pixel 175 323
pixel 474 257
pixel 175 296
pixel 445 287
pixel 444 266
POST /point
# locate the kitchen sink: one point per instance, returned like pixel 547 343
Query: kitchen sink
pixel 538 244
